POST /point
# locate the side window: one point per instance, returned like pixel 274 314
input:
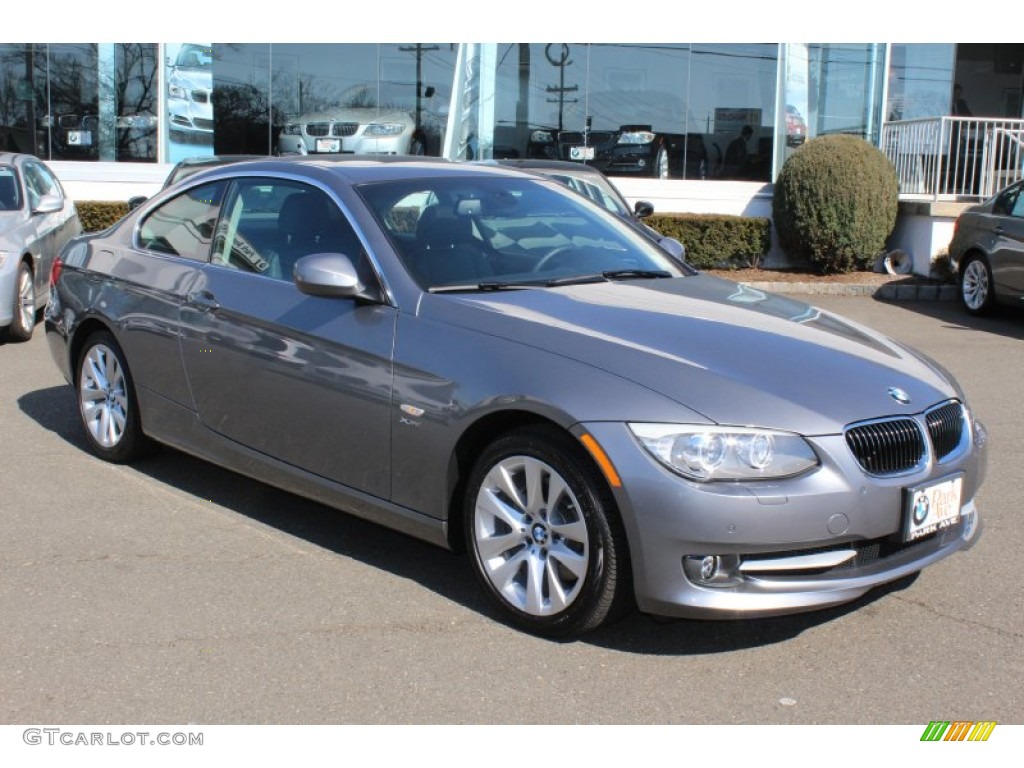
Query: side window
pixel 40 182
pixel 1016 206
pixel 10 195
pixel 269 224
pixel 184 225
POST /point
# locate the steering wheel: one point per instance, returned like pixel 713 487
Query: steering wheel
pixel 553 256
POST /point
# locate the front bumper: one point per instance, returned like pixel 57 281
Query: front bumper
pixel 787 546
pixel 360 145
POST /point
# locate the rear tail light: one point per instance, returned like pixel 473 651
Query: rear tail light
pixel 55 271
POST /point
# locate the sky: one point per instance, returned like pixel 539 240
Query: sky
pixel 651 21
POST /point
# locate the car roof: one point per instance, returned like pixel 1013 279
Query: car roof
pixel 360 168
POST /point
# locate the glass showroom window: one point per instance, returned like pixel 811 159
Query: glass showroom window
pixel 79 101
pixel 920 80
pixel 377 99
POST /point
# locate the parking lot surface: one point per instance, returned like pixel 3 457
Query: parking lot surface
pixel 175 592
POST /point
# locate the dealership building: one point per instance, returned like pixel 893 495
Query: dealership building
pixel 692 127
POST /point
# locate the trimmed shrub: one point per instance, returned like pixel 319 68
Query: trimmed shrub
pixel 718 241
pixel 835 203
pixel 97 215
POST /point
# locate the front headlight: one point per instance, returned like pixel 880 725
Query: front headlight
pixel 292 129
pixel 541 137
pixel 706 453
pixel 176 92
pixel 384 129
pixel 636 137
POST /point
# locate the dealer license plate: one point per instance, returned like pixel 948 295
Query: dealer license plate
pixel 581 153
pixel 930 508
pixel 328 145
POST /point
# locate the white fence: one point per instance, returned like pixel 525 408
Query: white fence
pixel 954 158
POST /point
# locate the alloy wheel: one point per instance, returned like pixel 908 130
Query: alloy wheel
pixel 102 396
pixel 531 536
pixel 976 287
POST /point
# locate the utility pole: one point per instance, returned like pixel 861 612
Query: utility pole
pixel 561 61
pixel 419 49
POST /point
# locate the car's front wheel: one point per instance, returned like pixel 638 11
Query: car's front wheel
pixel 24 320
pixel 661 163
pixel 544 534
pixel 976 285
pixel 107 402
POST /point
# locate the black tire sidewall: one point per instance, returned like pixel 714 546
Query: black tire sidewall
pixel 606 578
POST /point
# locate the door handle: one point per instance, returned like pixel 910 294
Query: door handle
pixel 204 301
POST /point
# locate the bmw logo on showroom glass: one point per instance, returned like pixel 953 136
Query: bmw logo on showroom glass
pixel 899 395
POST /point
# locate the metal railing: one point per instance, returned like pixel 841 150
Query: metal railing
pixel 954 158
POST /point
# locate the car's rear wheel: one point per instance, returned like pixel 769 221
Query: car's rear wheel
pixel 107 402
pixel 544 535
pixel 24 320
pixel 977 289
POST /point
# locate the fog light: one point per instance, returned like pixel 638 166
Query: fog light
pixel 711 570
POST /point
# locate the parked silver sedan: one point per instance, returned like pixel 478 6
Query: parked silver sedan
pixel 987 251
pixel 486 360
pixel 36 220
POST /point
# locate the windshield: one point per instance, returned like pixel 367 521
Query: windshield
pixel 194 57
pixel 489 233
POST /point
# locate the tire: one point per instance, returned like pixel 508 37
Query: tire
pixel 417 147
pixel 544 535
pixel 661 164
pixel 977 288
pixel 107 403
pixel 23 321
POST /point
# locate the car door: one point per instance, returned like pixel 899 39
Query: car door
pixel 52 229
pixel 304 379
pixel 1008 252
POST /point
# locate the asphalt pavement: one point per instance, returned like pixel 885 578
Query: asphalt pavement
pixel 175 592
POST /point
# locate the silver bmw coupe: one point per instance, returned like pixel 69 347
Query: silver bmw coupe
pixel 484 359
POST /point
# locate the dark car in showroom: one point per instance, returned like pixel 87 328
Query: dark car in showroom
pixel 614 138
pixel 987 251
pixel 482 358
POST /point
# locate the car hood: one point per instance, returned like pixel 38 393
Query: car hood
pixel 734 354
pixel 359 115
pixel 192 79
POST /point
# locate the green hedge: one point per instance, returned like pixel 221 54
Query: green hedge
pixel 97 215
pixel 717 241
pixel 712 241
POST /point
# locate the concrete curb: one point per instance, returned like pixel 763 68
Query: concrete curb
pixel 888 292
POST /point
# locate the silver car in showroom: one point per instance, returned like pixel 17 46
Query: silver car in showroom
pixel 484 359
pixel 369 119
pixel 36 220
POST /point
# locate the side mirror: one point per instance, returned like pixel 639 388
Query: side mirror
pixel 329 274
pixel 135 202
pixel 429 92
pixel 49 204
pixel 642 209
pixel 673 248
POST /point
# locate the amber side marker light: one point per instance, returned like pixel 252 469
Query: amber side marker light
pixel 602 460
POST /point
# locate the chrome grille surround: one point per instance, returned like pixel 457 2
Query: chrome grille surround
pixel 902 445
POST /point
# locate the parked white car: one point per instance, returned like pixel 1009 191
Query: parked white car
pixel 369 119
pixel 36 220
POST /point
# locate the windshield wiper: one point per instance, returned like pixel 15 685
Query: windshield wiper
pixel 610 274
pixel 489 285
